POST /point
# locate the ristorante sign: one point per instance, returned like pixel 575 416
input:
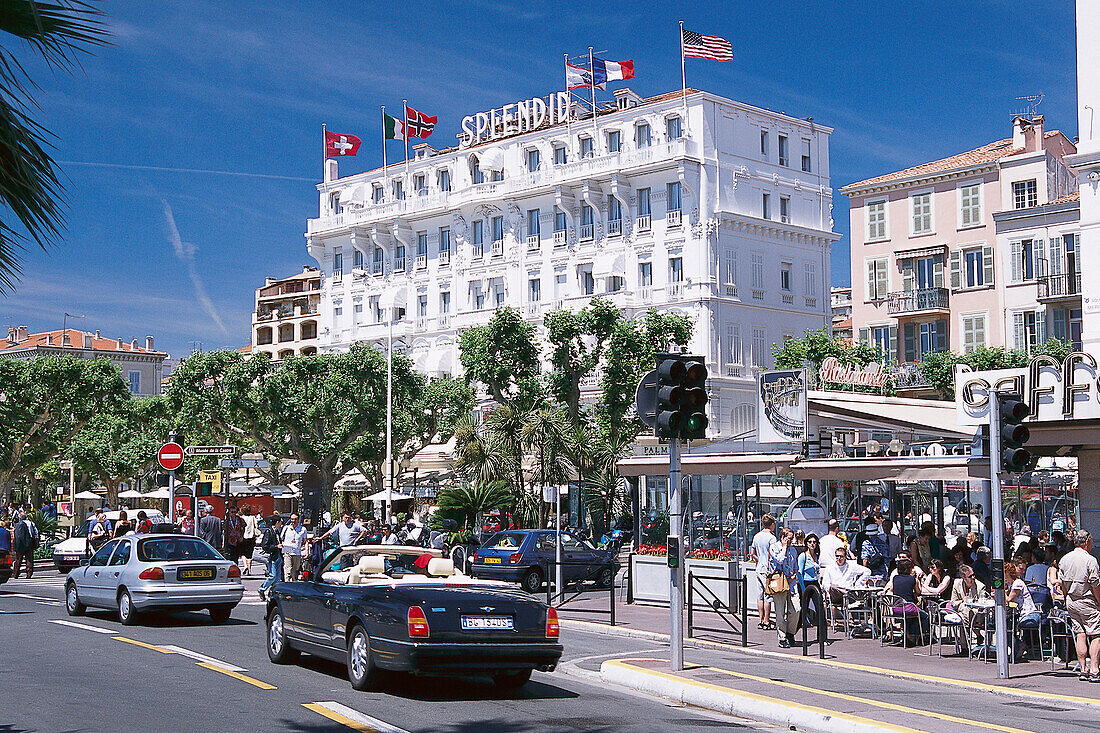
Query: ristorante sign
pixel 514 118
pixel 832 370
pixel 1054 390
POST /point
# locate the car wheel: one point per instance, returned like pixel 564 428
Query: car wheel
pixel 532 580
pixel 220 614
pixel 72 601
pixel 512 680
pixel 279 650
pixel 606 578
pixel 362 672
pixel 127 614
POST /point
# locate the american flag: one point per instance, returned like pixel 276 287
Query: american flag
pixel 696 45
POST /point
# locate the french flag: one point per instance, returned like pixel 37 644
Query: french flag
pixel 612 70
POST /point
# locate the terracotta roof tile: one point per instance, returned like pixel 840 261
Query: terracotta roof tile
pixel 1075 196
pixel 76 341
pixel 985 154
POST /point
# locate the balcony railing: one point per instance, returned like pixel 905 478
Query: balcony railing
pixel 399 265
pixel 615 227
pixel 532 241
pixel 915 301
pixel 559 238
pixel 674 218
pixel 675 291
pixel 445 257
pixel 498 247
pixel 643 223
pixel 587 232
pixel 421 261
pixel 1054 287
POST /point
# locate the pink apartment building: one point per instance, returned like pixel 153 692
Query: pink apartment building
pixel 928 274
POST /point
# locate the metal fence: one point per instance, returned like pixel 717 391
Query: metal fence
pixel 736 619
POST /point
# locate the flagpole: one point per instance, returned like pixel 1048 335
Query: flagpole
pixel 683 73
pixel 592 78
pixel 568 110
pixel 405 134
pixel 384 152
pixel 324 150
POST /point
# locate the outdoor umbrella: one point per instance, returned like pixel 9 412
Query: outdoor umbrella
pixel 131 494
pixel 88 495
pixel 158 494
pixel 381 496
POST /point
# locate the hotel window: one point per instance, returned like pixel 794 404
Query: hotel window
pixel 533 160
pixel 422 306
pixel 614 141
pixel 674 198
pixel 334 203
pixel 337 265
pixel 645 274
pixel 587 228
pixel 559 155
pixel 614 216
pixel 357 311
pixel 811 279
pixel 379 260
pixel 972 268
pixel 399 190
pixel 357 259
pixel 588 283
pixel 615 283
pixel 730 269
pixel 674 127
pixel 399 258
pixel 422 249
pixel 643 202
pixel 560 285
pixel 497 228
pixel 534 290
pixel 970 205
pixel 586 147
pixel 135 382
pixel 877 279
pixel 443 179
pixel 758 271
pixel 734 353
pixel 1029 329
pixel 642 136
pixel 1025 194
pixel 785 209
pixel 922 339
pixel 376 193
pixel 445 240
pixel 759 346
pixel 973 332
pixel 1023 260
pixel 785 276
pixel 876 220
pixel 475 172
pixel 498 294
pixel 533 223
pixel 376 308
pixel 766 206
pixel 921 204
pixel 764 144
pixel 420 185
pixel 479 237
pixel 784 151
pixel 559 220
pixel 806 155
pixel 445 302
pixel 676 269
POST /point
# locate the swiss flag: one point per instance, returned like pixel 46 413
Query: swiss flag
pixel 337 145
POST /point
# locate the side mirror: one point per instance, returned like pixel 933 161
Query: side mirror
pixel 84 561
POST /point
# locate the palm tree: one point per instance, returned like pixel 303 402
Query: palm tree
pixel 545 435
pixel 29 185
pixel 474 499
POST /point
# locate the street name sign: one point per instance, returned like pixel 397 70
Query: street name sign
pixel 170 456
pixel 210 450
pixel 244 463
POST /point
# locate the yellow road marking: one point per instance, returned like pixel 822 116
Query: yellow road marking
pixel 142 644
pixel 760 698
pixel 237 675
pixel 337 717
pixel 875 703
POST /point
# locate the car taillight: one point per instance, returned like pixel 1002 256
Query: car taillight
pixel 418 623
pixel 476 557
pixel 234 571
pixel 515 557
pixel 153 573
pixel 553 630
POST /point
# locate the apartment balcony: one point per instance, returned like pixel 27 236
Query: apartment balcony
pixel 675 291
pixel 923 300
pixel 1054 288
pixel 444 257
pixel 674 218
pixel 615 227
pixel 498 247
pixel 533 242
pixel 587 232
pixel 559 238
pixel 644 223
pixel 421 262
pixel 533 310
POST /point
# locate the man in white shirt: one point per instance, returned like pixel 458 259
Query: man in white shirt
pixel 761 552
pixel 347 532
pixel 843 575
pixel 829 544
pixel 293 539
pixel 388 537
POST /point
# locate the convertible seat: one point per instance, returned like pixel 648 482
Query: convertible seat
pixel 370 565
pixel 441 567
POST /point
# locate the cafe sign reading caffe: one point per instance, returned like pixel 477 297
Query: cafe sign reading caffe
pixel 1054 390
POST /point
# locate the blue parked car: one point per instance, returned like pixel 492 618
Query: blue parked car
pixel 526 556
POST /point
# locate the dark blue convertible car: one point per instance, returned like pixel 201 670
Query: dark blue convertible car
pixel 526 556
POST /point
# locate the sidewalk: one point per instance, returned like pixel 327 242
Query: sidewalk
pixel 866 655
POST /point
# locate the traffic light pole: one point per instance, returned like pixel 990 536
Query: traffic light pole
pixel 996 510
pixel 676 575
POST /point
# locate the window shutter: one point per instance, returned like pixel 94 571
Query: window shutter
pixel 1019 340
pixel 1054 254
pixel 941 336
pixel 910 341
pixel 1017 249
pixel 956 269
pixel 968 334
pixel 979 331
pixel 892 349
pixel 881 282
pixel 907 275
pixel 1040 327
pixel 937 272
pixel 1040 255
pixel 872 283
pixel 865 336
pixel 987 265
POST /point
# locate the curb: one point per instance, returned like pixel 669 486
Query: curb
pixel 792 716
pixel 883 671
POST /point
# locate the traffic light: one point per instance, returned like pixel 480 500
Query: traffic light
pixel 1013 433
pixel 203 488
pixel 162 480
pixel 672 547
pixel 681 397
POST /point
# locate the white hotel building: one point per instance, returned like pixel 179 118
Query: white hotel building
pixel 722 213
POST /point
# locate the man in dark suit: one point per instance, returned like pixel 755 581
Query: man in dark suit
pixel 210 528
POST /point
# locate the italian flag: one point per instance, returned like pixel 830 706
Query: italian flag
pixel 395 128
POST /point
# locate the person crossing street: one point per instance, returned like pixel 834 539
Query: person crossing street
pixel 272 546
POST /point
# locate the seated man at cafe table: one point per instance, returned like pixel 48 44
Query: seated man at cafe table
pixel 843 576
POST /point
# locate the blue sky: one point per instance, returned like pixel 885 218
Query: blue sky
pixel 155 248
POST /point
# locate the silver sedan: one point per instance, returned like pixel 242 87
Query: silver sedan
pixel 165 571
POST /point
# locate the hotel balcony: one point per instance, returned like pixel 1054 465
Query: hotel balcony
pixel 923 300
pixel 1059 287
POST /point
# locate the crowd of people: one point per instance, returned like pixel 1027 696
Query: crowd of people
pixel 1042 573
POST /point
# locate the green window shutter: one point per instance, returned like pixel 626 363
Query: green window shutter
pixel 865 336
pixel 1054 250
pixel 941 336
pixel 987 265
pixel 910 341
pixel 892 354
pixel 956 269
pixel 907 280
pixel 937 271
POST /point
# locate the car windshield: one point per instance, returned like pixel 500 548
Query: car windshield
pixel 83 531
pixel 505 541
pixel 176 548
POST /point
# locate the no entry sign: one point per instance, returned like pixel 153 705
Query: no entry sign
pixel 170 456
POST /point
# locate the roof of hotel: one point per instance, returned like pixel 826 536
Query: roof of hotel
pixel 76 341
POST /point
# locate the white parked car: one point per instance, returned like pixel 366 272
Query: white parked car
pixel 68 553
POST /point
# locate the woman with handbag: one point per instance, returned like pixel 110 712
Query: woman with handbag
pixel 782 587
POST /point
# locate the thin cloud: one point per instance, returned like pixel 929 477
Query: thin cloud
pixel 185 252
pixel 129 167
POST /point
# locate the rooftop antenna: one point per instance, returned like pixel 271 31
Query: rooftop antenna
pixel 1027 106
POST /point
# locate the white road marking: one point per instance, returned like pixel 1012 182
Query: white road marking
pixel 202 658
pixel 368 723
pixel 86 627
pixel 26 595
pixel 48 603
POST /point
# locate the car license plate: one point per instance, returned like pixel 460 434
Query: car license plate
pixel 486 622
pixel 195 574
pixel 492 561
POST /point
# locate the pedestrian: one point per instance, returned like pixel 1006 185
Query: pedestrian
pixel 25 542
pixel 123 526
pixel 872 552
pixel 893 542
pixel 347 532
pixel 143 526
pixel 233 534
pixel 187 523
pixel 1079 580
pixel 388 536
pixel 272 547
pixel 829 544
pixel 809 573
pixel 251 535
pixel 5 537
pixel 783 587
pixel 293 539
pixel 761 552
pixel 98 531
pixel 210 527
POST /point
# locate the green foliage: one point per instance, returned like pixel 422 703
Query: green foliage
pixel 816 346
pixel 939 369
pixel 469 500
pixel 578 341
pixel 503 357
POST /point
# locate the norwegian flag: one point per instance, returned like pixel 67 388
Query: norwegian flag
pixel 419 124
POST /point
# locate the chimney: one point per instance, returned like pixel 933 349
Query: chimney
pixel 149 343
pixel 97 335
pixel 12 338
pixel 22 335
pixel 65 340
pixel 133 345
pixel 119 344
pixel 1038 124
pixel 87 340
pixel 331 170
pixel 268 281
pixel 1028 134
pixel 49 339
